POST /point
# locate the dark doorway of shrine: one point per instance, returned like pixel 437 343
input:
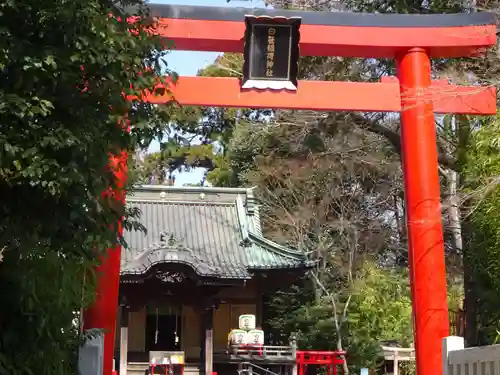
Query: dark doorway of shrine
pixel 163 329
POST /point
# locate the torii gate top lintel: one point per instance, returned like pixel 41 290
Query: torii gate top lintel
pixel 220 29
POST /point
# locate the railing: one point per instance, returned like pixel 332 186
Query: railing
pixel 243 353
pixel 247 368
pixel 397 355
pixel 457 360
pixel 262 351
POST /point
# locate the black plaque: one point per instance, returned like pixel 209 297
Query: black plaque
pixel 271 52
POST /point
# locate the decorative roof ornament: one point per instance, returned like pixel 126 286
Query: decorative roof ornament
pixel 170 277
pixel 167 240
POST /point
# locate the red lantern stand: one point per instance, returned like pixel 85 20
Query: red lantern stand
pixel 327 359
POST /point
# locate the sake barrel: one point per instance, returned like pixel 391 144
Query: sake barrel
pixel 237 337
pixel 247 322
pixel 255 337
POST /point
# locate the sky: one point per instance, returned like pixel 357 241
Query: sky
pixel 187 63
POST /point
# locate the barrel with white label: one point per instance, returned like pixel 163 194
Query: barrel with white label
pixel 255 337
pixel 247 322
pixel 238 337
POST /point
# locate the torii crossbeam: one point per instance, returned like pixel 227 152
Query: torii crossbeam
pixel 412 40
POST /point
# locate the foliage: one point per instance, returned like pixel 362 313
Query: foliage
pixel 323 188
pixel 315 181
pixel 64 70
pixel 482 171
pixel 41 296
pixel 380 311
pixel 199 137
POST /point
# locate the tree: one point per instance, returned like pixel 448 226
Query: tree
pixel 481 174
pixel 65 69
pixel 379 310
pixel 325 191
pixel 200 137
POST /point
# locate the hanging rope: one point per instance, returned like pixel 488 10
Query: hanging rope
pixel 156 333
pixel 176 327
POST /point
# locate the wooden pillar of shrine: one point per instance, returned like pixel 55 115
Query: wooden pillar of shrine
pixel 259 303
pixel 207 338
pixel 123 339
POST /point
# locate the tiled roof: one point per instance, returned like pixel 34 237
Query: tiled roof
pixel 216 231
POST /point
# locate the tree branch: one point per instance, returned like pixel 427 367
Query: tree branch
pixel 338 324
pixel 394 138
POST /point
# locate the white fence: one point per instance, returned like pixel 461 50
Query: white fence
pixel 483 360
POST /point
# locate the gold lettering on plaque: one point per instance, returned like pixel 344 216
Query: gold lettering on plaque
pixel 271 47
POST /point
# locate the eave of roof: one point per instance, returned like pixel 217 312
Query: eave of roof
pixel 216 230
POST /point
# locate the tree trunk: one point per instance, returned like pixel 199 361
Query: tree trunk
pixel 399 212
pixel 470 291
pixel 345 368
pixel 454 212
pixel 471 307
pixel 463 127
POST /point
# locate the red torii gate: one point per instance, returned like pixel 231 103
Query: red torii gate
pixel 412 40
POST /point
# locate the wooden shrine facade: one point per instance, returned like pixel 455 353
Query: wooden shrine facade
pixel 202 263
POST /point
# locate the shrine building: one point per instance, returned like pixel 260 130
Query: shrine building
pixel 184 284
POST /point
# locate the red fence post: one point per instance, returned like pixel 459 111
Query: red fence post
pixel 423 210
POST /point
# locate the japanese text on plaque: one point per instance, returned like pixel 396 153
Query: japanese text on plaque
pixel 271 48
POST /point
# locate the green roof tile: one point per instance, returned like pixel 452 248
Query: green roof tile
pixel 216 231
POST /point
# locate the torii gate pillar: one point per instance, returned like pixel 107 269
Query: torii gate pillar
pixel 102 314
pixel 423 210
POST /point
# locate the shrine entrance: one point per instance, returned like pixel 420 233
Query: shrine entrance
pixel 163 328
pixel 272 41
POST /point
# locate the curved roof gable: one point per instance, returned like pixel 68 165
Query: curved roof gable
pixel 216 231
